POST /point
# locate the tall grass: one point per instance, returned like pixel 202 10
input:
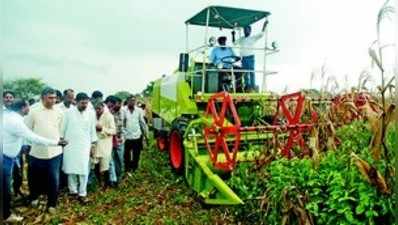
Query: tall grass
pixel 385 12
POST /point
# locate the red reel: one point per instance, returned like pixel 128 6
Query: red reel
pixel 221 129
pixel 294 126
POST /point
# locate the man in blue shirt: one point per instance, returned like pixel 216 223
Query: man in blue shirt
pixel 220 52
pixel 223 58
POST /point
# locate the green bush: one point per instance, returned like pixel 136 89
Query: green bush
pixel 333 191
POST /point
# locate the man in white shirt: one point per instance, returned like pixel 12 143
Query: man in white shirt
pixel 14 133
pixel 246 45
pixel 79 128
pixel 68 100
pixel 17 176
pixel 135 132
pixel 45 162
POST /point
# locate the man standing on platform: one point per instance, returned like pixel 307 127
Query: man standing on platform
pixel 246 45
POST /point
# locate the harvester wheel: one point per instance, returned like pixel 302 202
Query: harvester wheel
pixel 176 151
pixel 176 146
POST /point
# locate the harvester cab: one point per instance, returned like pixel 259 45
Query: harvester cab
pixel 230 73
pixel 206 118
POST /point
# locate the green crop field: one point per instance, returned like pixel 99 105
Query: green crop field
pixel 335 191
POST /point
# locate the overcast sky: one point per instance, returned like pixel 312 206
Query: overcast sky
pixel 122 45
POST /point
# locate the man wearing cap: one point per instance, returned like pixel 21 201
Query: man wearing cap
pixel 246 45
pixel 223 58
pixel 220 52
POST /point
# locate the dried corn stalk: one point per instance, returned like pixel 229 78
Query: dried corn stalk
pixel 295 207
pixel 371 174
pixel 376 124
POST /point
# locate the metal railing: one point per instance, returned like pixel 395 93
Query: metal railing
pixel 190 75
pixel 203 54
pixel 269 51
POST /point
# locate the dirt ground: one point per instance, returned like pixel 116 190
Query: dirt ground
pixel 152 195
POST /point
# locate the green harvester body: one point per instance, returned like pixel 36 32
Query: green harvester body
pixel 179 101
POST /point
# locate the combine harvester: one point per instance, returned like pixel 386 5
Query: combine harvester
pixel 207 131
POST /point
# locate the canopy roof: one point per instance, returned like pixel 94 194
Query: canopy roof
pixel 227 17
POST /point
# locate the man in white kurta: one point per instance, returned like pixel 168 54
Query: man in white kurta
pixel 79 128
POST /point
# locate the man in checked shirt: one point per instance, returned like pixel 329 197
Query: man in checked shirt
pixel 116 168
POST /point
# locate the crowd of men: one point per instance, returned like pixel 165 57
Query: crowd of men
pixel 68 141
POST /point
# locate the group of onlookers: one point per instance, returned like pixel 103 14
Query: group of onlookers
pixel 68 140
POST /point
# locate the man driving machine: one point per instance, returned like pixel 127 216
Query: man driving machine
pixel 220 52
pixel 223 57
